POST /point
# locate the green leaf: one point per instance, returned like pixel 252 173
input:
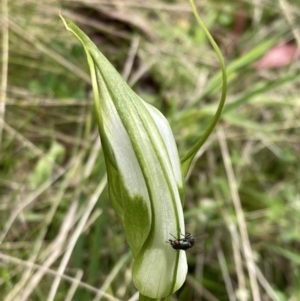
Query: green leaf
pixel 44 167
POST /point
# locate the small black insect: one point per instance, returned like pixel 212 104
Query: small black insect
pixel 184 243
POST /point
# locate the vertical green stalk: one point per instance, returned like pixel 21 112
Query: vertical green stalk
pixel 188 157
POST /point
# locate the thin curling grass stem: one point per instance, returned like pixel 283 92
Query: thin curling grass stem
pixel 191 153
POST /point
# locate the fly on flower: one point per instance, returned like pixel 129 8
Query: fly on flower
pixel 184 243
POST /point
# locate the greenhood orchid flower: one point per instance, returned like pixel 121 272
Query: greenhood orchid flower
pixel 144 175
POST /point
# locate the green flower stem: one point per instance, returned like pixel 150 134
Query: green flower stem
pixel 188 157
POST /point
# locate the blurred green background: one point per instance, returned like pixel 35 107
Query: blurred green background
pixel 59 237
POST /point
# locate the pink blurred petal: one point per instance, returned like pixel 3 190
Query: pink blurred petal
pixel 278 56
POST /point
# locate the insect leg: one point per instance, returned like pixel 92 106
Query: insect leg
pixel 173 236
